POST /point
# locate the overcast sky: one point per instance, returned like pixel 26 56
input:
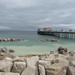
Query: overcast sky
pixel 34 14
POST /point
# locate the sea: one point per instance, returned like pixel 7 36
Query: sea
pixel 32 43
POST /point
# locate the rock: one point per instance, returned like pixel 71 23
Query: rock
pixel 8 73
pixel 18 67
pixel 11 50
pixel 44 57
pixel 63 56
pixel 70 58
pixel 62 50
pixel 72 63
pixel 30 70
pixel 56 69
pixel 8 39
pixel 60 61
pixel 32 61
pixel 4 49
pixel 3 54
pixel 44 63
pixel 51 52
pixel 53 40
pixel 41 70
pixel 18 59
pixel 71 70
pixel 5 66
pixel 51 57
pixel 7 59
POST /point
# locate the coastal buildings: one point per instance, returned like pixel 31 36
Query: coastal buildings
pixel 62 33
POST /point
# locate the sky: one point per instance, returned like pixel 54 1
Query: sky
pixel 34 14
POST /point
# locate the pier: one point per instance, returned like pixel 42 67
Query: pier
pixel 64 34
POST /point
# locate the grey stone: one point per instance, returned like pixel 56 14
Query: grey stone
pixel 7 59
pixel 71 70
pixel 72 63
pixel 8 73
pixel 41 70
pixel 47 57
pixel 56 69
pixel 32 61
pixel 30 71
pixel 5 66
pixel 18 67
pixel 62 61
pixel 18 59
pixel 44 63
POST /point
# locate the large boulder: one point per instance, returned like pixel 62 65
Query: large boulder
pixel 60 61
pixel 44 57
pixel 18 67
pixel 32 61
pixel 71 70
pixel 30 71
pixel 70 58
pixel 72 63
pixel 51 57
pixel 63 56
pixel 41 70
pixel 32 66
pixel 18 59
pixel 8 73
pixel 7 59
pixel 5 66
pixel 44 63
pixel 56 69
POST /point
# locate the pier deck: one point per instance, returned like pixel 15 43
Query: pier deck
pixel 66 34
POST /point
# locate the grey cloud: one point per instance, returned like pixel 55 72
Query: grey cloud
pixel 31 15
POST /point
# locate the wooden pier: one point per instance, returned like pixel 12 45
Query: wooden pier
pixel 66 34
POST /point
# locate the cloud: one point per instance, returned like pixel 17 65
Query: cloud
pixel 4 27
pixel 33 14
pixel 18 3
pixel 45 20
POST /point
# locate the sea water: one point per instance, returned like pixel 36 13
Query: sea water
pixel 32 43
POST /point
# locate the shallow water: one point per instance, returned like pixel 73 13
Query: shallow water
pixel 32 43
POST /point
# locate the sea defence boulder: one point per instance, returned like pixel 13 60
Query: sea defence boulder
pixel 44 63
pixel 56 69
pixel 30 70
pixel 18 67
pixel 38 65
pixel 71 70
pixel 18 59
pixel 5 66
pixel 8 73
pixel 41 70
pixel 32 66
pixel 32 61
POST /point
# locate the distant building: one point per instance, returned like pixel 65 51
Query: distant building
pixel 45 29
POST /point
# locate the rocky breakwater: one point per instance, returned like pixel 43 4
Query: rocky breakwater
pixel 48 40
pixel 53 64
pixel 10 39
